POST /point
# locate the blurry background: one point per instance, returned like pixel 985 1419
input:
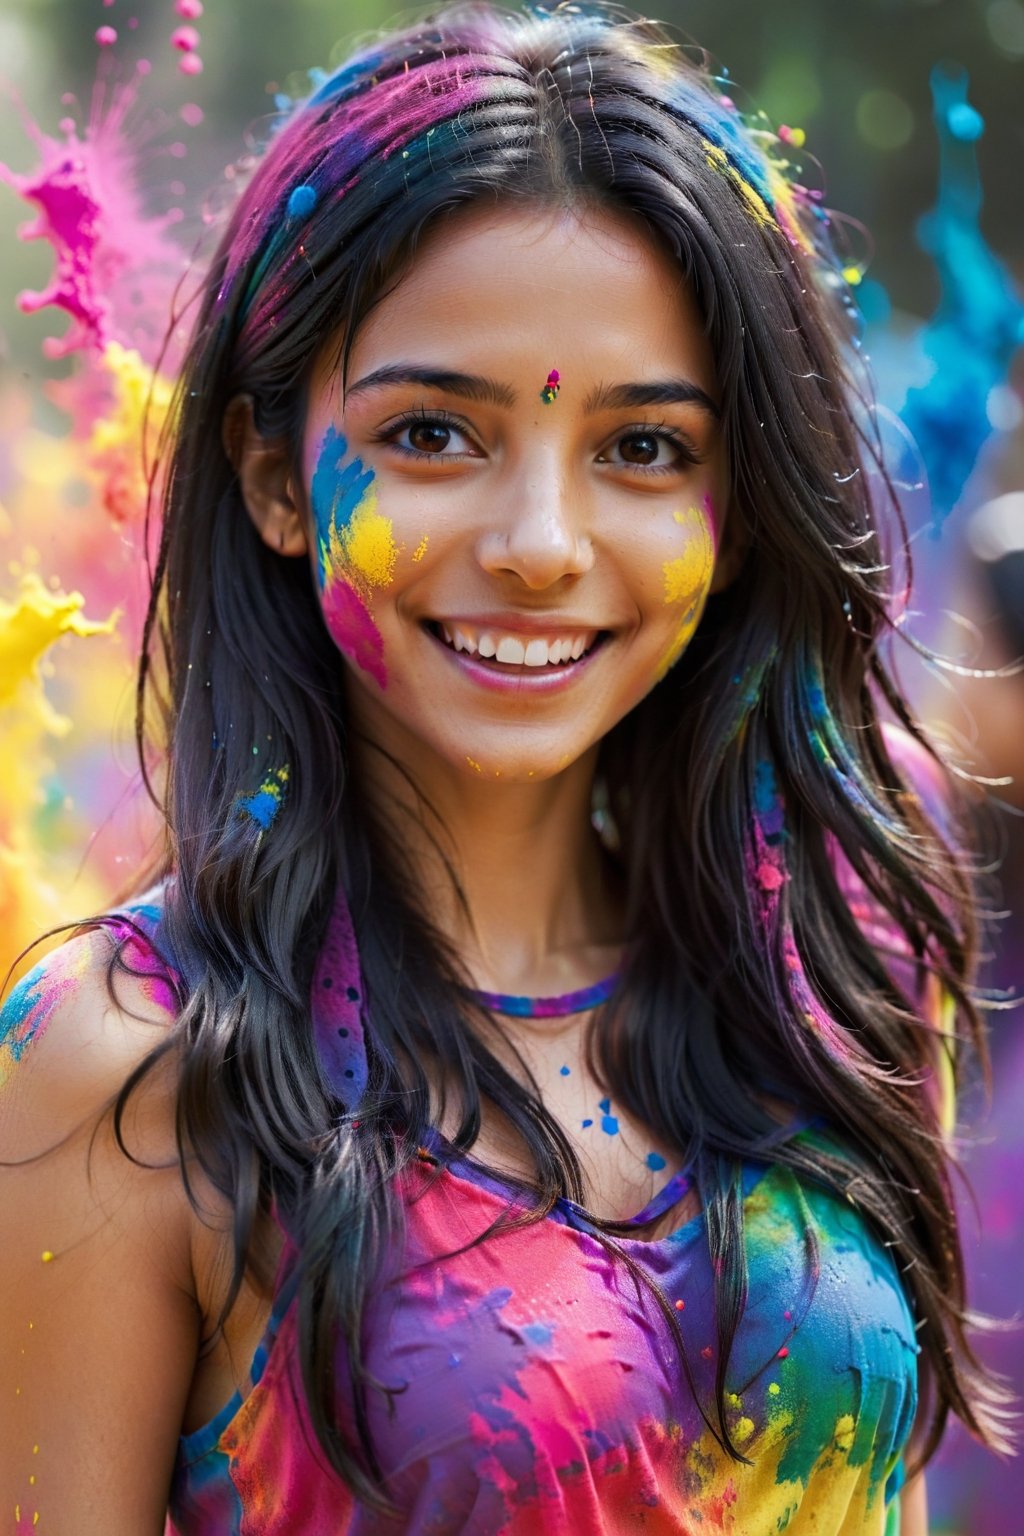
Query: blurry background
pixel 855 79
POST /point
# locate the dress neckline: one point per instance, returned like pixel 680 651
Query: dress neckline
pixel 559 1006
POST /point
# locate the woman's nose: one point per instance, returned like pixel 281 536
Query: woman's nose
pixel 539 531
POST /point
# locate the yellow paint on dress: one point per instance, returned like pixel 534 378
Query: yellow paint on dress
pixel 420 550
pixel 845 1427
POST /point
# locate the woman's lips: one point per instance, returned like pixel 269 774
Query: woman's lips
pixel 497 658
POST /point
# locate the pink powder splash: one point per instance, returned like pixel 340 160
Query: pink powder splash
pixel 353 630
pixel 89 208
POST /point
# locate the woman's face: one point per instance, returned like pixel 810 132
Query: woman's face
pixel 516 509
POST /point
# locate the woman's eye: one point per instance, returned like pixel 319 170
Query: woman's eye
pixel 650 450
pixel 641 448
pixel 428 437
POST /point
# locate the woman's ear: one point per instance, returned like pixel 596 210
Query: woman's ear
pixel 266 477
pixel 732 551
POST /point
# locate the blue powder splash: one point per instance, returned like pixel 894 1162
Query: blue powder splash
pixel 302 201
pixel 970 340
pixel 655 1161
pixel 264 804
pixel 336 490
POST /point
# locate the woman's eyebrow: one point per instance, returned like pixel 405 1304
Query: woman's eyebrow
pixel 471 386
pixel 475 386
pixel 616 397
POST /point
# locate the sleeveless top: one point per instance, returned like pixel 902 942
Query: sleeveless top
pixel 535 1387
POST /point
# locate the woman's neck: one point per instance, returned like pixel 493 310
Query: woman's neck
pixel 540 909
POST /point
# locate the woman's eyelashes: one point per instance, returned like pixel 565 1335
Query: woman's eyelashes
pixel 645 449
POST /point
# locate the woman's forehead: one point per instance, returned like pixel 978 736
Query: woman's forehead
pixel 511 286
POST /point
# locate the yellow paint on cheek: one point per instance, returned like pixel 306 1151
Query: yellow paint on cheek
pixel 687 580
pixel 366 543
pixel 420 550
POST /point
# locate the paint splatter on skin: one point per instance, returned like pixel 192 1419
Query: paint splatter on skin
pixel 357 553
pixel 549 394
pixel 420 550
pixel 687 579
pixel 264 805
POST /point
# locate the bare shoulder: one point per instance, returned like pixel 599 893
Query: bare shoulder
pixel 99 1325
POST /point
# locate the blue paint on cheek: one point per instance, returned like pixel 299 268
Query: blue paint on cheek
pixel 587 1124
pixel 655 1161
pixel 564 1071
pixel 609 1125
pixel 605 1105
pixel 337 489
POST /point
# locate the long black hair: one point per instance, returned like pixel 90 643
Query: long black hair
pixel 739 785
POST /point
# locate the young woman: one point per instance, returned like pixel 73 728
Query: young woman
pixel 519 1103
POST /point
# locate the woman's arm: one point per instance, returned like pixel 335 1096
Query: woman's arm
pixel 98 1343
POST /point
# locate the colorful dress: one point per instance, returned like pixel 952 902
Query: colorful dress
pixel 538 1389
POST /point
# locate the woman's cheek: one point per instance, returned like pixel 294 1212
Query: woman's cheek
pixel 356 553
pixel 687 579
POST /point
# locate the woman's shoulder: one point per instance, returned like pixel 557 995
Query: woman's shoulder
pixel 80 1021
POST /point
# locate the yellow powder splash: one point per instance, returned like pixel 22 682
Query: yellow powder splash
pixel 687 580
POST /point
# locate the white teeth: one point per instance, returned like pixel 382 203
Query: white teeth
pixel 510 650
pixel 514 651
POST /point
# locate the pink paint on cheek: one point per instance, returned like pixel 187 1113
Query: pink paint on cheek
pixel 353 630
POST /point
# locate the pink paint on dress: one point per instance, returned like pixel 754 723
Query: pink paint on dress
pixel 353 630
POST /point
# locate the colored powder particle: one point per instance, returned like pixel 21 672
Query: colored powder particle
pixel 420 550
pixel 794 136
pixel 707 1353
pixel 564 1071
pixel 263 806
pixel 586 1124
pixel 610 1125
pixel 655 1161
pixel 189 10
pixel 190 64
pixel 46 1256
pixel 680 1305
pixel 783 1353
pixel 186 39
pixel 538 1333
pixel 605 1105
pixel 106 37
pixel 474 765
pixel 743 1430
pixel 302 201
pixel 773 1389
pixel 191 114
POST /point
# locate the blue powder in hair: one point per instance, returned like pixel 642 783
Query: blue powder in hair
pixel 302 201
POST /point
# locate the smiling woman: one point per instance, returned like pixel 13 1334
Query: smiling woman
pixel 531 1071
